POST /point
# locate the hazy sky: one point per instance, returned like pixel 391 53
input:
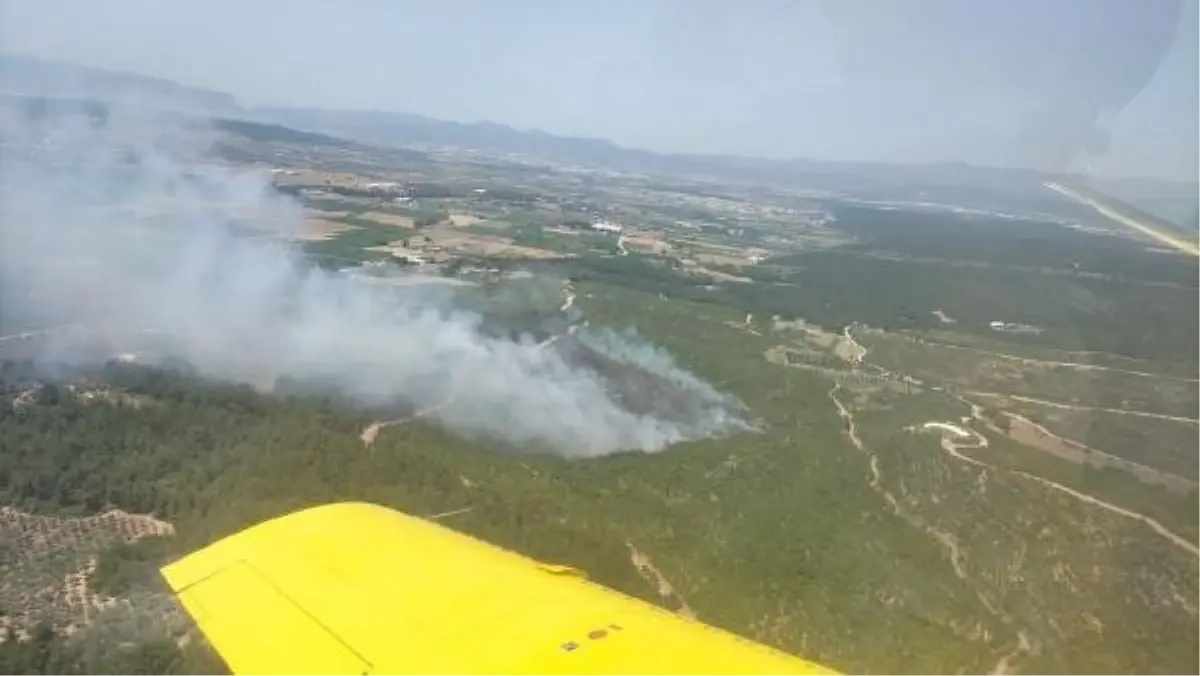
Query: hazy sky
pixel 987 81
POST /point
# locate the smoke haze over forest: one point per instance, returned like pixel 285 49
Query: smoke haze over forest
pixel 122 229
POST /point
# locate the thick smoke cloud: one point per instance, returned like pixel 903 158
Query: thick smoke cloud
pixel 121 228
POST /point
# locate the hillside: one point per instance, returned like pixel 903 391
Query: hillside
pixel 779 534
pixel 883 427
pixel 35 77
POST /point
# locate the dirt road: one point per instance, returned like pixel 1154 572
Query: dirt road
pixel 371 432
pixel 954 440
pixel 947 540
pixel 955 450
pixel 1154 525
pixel 1080 407
pixel 1025 431
pixel 645 568
pixel 1080 366
pixel 957 440
pixel 850 349
pixel 1023 646
pixel 571 330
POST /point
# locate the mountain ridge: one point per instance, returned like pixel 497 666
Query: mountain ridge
pixel 33 76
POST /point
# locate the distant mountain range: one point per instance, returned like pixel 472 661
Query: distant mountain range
pixel 29 76
pixel 416 130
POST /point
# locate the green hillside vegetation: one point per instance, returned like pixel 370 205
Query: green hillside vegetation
pixel 1015 533
pixel 354 244
pixel 582 244
pixel 779 535
pixel 1008 242
pixel 1053 380
pixel 1168 445
pixel 1184 366
pixel 1081 404
pixel 891 512
pixel 835 288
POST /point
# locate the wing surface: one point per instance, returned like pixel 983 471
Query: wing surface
pixel 359 588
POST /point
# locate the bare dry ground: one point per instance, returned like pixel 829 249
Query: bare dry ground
pixel 723 259
pixel 810 332
pixel 715 275
pixel 318 178
pixel 313 225
pixel 321 225
pixel 646 243
pixel 460 219
pixel 396 220
pixel 320 229
pixel 458 241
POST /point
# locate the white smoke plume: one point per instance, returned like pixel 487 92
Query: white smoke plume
pixel 122 229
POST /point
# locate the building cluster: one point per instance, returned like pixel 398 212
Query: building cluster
pixel 607 227
pixel 1011 327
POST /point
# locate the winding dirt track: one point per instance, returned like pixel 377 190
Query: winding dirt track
pixel 947 540
pixel 956 439
pixel 1023 646
pixel 1079 366
pixel 957 558
pixel 371 432
pixel 955 450
pixel 645 567
pixel 1079 452
pixel 1079 407
pixel 1154 525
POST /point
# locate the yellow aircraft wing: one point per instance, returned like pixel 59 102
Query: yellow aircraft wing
pixel 359 588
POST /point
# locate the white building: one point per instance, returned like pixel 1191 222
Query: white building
pixel 605 226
